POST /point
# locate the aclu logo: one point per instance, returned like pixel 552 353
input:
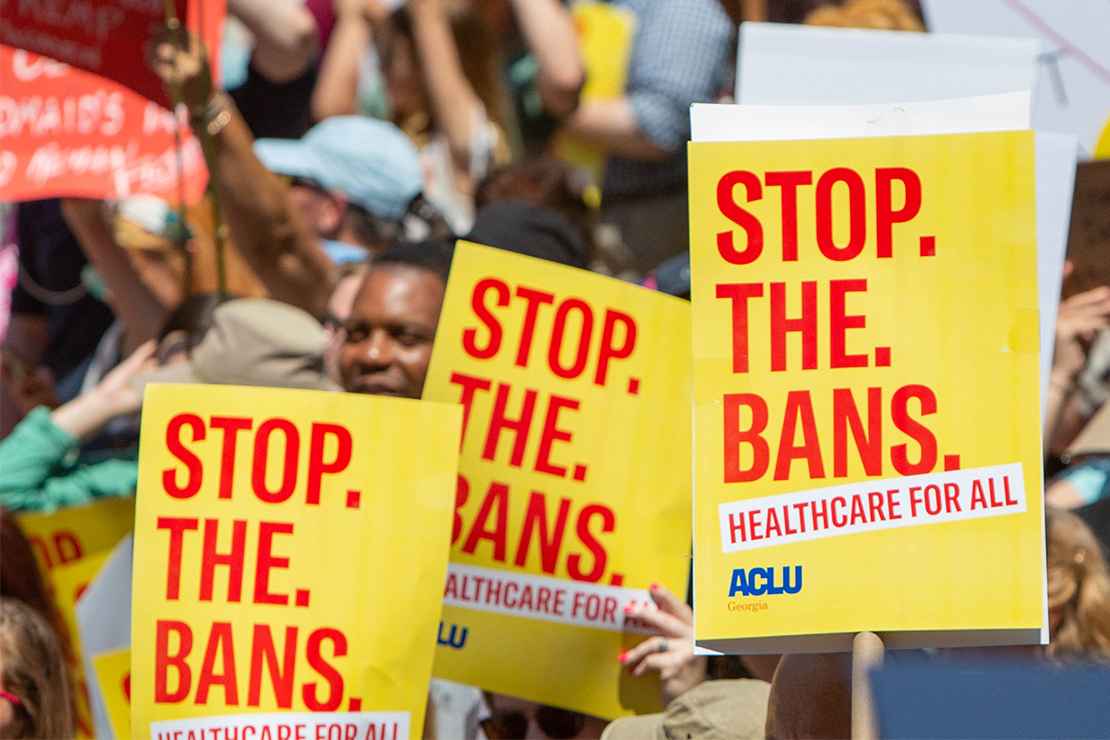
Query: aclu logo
pixel 452 635
pixel 766 581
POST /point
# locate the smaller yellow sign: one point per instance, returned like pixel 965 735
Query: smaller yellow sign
pixel 1102 149
pixel 67 535
pixel 68 582
pixel 113 676
pixel 70 545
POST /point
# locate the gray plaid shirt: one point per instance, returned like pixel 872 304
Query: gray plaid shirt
pixel 680 55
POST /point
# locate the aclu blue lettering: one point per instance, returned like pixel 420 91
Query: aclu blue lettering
pixel 765 581
pixel 454 638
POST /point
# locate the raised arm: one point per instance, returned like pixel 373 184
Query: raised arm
pixel 456 107
pixel 286 39
pixel 268 231
pixel 133 302
pixel 548 30
pixel 679 47
pixel 336 92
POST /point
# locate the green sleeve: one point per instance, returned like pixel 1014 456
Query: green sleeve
pixel 37 474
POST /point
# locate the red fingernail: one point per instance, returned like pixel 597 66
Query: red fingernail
pixel 622 656
pixel 654 587
pixel 629 609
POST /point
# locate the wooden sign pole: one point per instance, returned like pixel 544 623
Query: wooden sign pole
pixel 219 230
pixel 867 654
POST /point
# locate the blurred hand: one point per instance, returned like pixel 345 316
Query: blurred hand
pixel 372 10
pixel 179 59
pixel 671 650
pixel 117 393
pixel 82 210
pixel 1079 320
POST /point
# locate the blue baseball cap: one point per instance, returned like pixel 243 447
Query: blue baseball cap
pixel 370 162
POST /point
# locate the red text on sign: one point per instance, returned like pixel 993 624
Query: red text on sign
pixel 277 439
pixel 274 665
pixel 543 530
pixel 569 350
pixel 851 184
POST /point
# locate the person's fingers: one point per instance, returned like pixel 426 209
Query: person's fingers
pixel 670 603
pixel 163 53
pixel 138 358
pixel 1086 329
pixel 636 654
pixel 1091 308
pixel 659 621
pixel 676 663
pixel 654 662
pixel 1087 298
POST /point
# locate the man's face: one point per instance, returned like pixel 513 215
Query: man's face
pixel 321 210
pixel 388 338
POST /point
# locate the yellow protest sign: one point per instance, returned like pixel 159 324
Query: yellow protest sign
pixel 289 547
pixel 574 475
pixel 113 675
pixel 67 583
pixel 67 535
pixel 75 541
pixel 866 393
pixel 605 34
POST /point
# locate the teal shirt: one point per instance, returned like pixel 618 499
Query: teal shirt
pixel 42 469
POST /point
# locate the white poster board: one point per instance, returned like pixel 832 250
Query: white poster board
pixel 1073 71
pixel 805 65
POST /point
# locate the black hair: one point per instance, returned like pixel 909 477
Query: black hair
pixel 433 255
pixel 536 231
pixel 194 316
pixel 422 220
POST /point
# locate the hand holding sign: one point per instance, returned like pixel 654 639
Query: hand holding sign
pixel 671 651
pixel 180 60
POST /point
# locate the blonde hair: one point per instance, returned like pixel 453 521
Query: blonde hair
pixel 1079 587
pixel 888 15
pixel 33 670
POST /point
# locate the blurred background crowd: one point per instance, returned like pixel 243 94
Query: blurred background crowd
pixel 352 141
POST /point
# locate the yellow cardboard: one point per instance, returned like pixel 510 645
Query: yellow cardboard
pixel 338 508
pixel 113 675
pixel 568 517
pixel 866 394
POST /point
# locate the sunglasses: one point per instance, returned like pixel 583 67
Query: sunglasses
pixel 302 182
pixel 557 724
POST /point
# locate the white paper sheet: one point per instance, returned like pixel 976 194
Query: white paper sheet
pixel 1073 71
pixel 791 64
pixel 104 622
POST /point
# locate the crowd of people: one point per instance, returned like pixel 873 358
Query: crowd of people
pixel 351 142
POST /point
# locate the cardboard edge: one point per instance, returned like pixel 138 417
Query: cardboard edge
pixel 841 642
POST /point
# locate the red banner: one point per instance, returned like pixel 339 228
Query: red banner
pixel 106 37
pixel 68 132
